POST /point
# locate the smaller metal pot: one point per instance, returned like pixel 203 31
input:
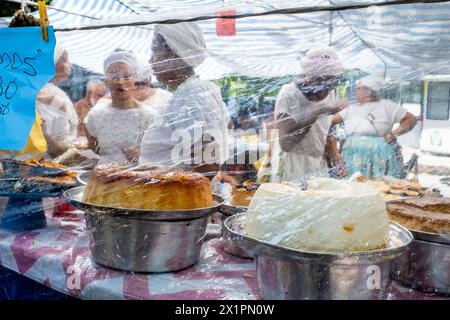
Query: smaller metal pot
pixel 425 265
pixel 288 274
pixel 230 246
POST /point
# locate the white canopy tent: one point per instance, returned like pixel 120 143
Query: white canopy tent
pixel 401 39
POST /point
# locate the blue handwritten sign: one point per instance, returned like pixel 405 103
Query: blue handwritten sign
pixel 26 65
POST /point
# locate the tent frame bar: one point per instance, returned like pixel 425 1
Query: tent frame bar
pixel 298 10
pixel 363 41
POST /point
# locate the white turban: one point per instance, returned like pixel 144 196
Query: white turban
pixel 59 51
pixel 321 61
pixel 373 82
pixel 186 40
pixel 121 56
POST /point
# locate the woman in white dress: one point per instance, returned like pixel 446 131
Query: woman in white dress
pixel 303 114
pixel 371 146
pixel 196 114
pixel 116 128
pixel 56 110
pixel 156 98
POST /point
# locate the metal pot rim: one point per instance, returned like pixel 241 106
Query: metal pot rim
pixel 80 177
pixel 228 210
pixel 429 237
pixel 260 247
pixel 444 245
pixel 74 196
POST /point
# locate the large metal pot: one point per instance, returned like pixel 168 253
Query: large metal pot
pixel 425 265
pixel 142 240
pixel 145 245
pixel 289 274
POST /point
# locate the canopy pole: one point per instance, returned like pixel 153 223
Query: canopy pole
pixel 330 30
pixel 27 3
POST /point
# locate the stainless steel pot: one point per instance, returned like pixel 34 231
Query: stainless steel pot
pixel 228 210
pixel 142 240
pixel 229 246
pixel 232 247
pixel 145 245
pixel 289 274
pixel 425 265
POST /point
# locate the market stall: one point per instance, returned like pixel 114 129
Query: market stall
pixel 148 188
pixel 59 257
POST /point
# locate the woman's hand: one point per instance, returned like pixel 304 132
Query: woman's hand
pixel 338 164
pixel 390 137
pixel 339 106
pixel 336 158
pixel 406 124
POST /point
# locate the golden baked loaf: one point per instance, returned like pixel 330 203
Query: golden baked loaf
pixel 241 195
pixel 395 188
pixel 121 187
pixel 428 214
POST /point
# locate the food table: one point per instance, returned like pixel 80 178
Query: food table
pixel 58 256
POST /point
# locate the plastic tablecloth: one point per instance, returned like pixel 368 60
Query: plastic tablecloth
pixel 58 256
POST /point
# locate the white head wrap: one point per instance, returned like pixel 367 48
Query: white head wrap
pixel 59 51
pixel 373 82
pixel 186 40
pixel 321 61
pixel 121 56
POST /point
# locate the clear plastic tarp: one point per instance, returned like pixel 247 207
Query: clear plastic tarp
pixel 327 120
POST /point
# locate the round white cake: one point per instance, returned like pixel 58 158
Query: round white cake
pixel 330 216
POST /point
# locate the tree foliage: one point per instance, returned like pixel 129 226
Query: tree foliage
pixel 244 88
pixel 7 9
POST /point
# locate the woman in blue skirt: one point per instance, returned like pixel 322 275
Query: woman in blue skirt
pixel 371 147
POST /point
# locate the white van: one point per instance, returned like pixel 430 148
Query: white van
pixel 435 135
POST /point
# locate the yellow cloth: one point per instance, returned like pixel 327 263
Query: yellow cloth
pixel 36 144
pixel 257 164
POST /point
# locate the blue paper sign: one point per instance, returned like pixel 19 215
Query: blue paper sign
pixel 26 65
